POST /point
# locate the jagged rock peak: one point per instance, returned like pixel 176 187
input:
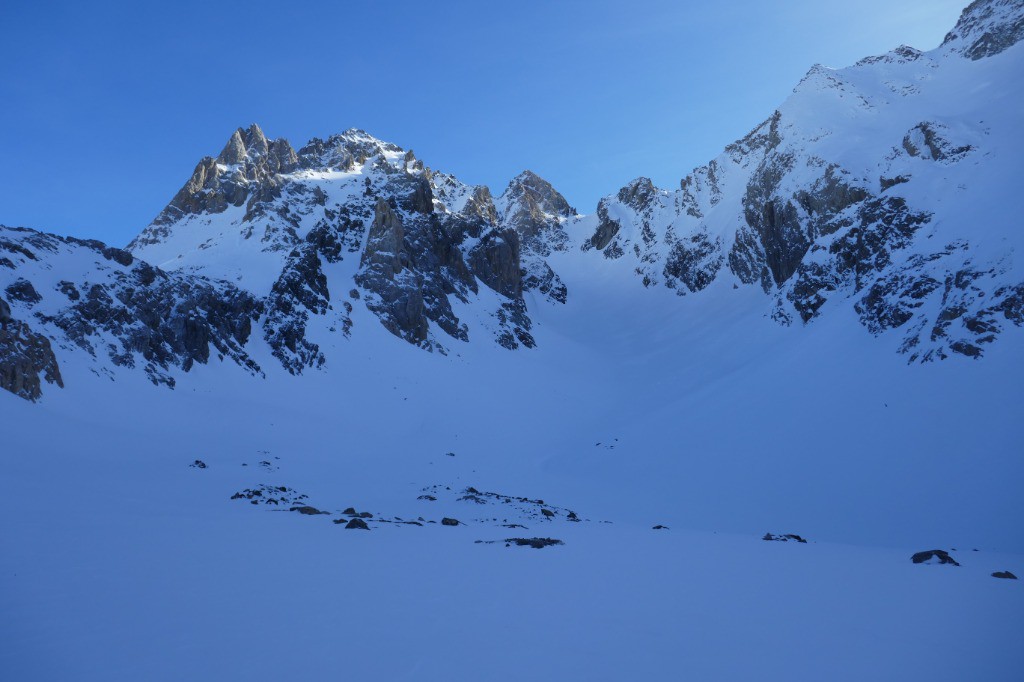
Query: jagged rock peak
pixel 638 193
pixel 344 150
pixel 535 190
pixel 986 28
pixel 480 205
pixel 901 55
pixel 249 144
pixel 234 150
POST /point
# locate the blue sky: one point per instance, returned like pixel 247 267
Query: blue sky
pixel 105 108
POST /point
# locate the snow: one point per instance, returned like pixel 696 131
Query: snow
pixel 141 567
pixel 638 407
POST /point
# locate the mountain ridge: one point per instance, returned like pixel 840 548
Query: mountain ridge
pixel 852 193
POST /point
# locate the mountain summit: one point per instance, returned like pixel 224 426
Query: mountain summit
pixel 880 188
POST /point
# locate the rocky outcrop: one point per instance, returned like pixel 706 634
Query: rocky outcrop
pixel 930 141
pixel 607 228
pixel 693 262
pixel 121 309
pixel 934 556
pixel 533 217
pixel 536 211
pixel 300 291
pixel 160 321
pixel 26 358
pixel 246 172
pixel 987 28
pixel 495 261
pixel 396 297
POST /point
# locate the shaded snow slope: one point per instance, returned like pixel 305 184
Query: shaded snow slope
pixel 694 369
pixel 139 565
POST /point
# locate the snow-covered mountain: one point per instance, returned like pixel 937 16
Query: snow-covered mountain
pixel 698 433
pixel 366 220
pixel 882 186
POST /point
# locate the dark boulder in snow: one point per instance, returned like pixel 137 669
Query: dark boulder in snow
pixel 536 543
pixel 784 538
pixel 355 523
pixel 934 556
pixel 198 464
pixel 449 522
pixel 306 509
pixel 1004 574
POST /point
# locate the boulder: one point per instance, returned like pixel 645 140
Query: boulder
pixel 309 511
pixel 934 556
pixel 536 543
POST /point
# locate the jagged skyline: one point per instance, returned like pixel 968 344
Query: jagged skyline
pixel 497 93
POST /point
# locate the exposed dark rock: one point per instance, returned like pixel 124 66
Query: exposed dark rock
pixel 449 522
pixel 534 210
pixel 986 28
pixel 480 207
pixel 933 556
pixel 26 358
pixel 271 495
pixel 536 543
pixel 929 141
pixel 694 262
pixel 69 290
pixel 409 268
pixel 247 170
pixel 198 464
pixel 514 325
pixel 21 290
pixel 888 183
pixel 660 527
pixel 607 228
pixel 495 261
pixel 783 538
pixel 301 290
pixel 1004 574
pixel 307 510
pixel 775 219
pixel 747 258
pixel 357 524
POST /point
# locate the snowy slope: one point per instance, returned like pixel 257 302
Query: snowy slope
pixel 882 185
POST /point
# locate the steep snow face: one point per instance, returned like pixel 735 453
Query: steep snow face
pixel 882 186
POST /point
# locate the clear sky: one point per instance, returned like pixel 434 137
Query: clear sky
pixel 106 107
